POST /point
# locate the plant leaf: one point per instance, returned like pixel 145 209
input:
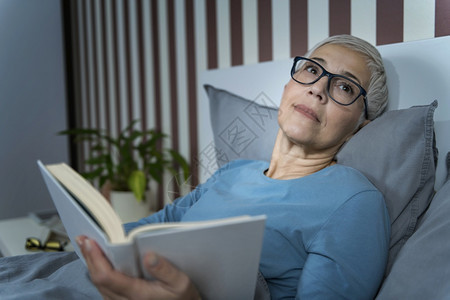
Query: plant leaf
pixel 137 183
pixel 178 158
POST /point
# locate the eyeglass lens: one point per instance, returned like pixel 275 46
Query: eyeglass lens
pixel 34 244
pixel 339 87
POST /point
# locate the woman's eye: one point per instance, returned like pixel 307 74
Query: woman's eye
pixel 345 87
pixel 312 70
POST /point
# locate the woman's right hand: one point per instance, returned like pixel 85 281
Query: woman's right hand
pixel 169 283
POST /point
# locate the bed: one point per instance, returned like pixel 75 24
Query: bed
pixel 404 152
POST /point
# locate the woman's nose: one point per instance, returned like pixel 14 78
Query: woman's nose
pixel 319 88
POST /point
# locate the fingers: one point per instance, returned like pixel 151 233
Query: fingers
pixel 95 259
pixel 110 283
pixel 169 276
pixel 161 269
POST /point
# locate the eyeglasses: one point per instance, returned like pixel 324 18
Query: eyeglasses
pixel 340 89
pixel 34 244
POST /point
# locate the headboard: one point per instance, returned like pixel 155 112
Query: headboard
pixel 418 73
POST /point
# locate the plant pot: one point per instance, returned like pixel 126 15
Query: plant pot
pixel 128 208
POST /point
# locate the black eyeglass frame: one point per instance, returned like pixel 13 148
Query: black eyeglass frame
pixel 362 91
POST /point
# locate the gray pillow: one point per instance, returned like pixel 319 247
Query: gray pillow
pixel 242 129
pixel 396 152
pixel 422 268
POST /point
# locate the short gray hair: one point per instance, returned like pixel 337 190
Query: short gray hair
pixel 377 93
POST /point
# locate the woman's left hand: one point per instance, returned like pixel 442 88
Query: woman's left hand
pixel 169 283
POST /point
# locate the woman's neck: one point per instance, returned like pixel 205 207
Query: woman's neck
pixel 290 161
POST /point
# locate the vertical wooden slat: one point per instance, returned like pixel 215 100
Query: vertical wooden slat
pixel 442 18
pixel 192 88
pixel 141 64
pixel 318 21
pixel 156 66
pixel 87 61
pixel 265 30
pixel 86 64
pixel 172 73
pixel 128 62
pixel 298 10
pixel 211 30
pixel 173 82
pixel 95 86
pixel 281 27
pixel 363 20
pixel 389 21
pixel 106 70
pixel 156 83
pixel 339 17
pixel 250 31
pixel 237 55
pixel 116 72
pixel 72 61
pixel 83 88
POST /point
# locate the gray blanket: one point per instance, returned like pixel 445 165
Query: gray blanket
pixel 45 276
pixel 60 275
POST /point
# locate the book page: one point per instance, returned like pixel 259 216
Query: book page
pixel 184 225
pixel 91 199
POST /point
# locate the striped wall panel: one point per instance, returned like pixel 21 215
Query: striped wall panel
pixel 140 59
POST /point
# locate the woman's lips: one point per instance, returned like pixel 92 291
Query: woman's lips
pixel 306 112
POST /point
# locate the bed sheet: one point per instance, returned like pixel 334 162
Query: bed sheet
pixel 45 276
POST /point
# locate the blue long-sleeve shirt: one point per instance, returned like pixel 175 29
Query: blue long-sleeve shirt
pixel 326 236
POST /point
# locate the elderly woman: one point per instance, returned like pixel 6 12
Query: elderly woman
pixel 327 229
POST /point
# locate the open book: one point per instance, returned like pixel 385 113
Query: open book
pixel 220 256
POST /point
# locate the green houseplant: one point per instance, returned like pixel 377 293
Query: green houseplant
pixel 129 161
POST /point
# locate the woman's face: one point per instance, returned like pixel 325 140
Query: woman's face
pixel 309 118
